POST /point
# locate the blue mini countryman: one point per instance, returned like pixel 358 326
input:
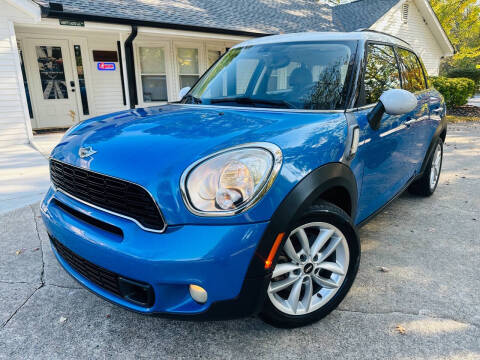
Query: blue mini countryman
pixel 244 197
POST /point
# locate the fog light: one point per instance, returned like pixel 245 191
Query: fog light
pixel 198 294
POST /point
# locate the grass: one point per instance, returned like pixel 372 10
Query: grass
pixel 460 119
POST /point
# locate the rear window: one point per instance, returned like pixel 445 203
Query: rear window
pixel 412 74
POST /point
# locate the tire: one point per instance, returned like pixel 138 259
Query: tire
pixel 327 277
pixel 427 183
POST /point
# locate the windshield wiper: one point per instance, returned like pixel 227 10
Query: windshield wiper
pixel 248 100
pixel 193 99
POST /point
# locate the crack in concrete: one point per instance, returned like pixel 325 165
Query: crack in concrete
pixel 398 312
pixel 16 282
pixel 42 272
pixel 5 323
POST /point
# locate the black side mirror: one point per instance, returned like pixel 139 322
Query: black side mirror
pixel 375 116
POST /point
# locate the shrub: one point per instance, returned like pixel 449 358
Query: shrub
pixel 456 91
pixel 470 73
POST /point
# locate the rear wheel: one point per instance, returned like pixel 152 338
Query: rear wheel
pixel 315 268
pixel 426 185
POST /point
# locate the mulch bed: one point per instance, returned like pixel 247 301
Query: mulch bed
pixel 466 110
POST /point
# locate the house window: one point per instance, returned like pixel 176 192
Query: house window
pixel 188 68
pixel 153 74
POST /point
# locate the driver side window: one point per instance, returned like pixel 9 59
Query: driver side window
pixel 381 72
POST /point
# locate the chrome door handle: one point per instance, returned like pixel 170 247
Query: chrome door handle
pixel 410 122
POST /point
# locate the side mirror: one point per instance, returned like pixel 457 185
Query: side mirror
pixel 392 102
pixel 183 92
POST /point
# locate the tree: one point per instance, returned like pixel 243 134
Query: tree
pixel 461 21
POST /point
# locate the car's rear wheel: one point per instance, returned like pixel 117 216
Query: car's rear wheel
pixel 426 185
pixel 315 268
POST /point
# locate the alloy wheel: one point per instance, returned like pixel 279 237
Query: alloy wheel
pixel 310 270
pixel 435 168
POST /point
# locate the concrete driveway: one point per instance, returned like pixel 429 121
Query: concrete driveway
pixel 425 305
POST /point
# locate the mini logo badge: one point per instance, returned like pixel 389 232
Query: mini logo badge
pixel 86 152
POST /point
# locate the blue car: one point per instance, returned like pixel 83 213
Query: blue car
pixel 245 197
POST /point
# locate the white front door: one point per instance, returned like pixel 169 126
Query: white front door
pixel 51 81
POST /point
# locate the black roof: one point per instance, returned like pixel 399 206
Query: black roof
pixel 259 17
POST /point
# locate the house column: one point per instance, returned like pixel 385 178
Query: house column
pixel 15 126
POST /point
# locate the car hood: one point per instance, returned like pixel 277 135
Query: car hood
pixel 153 146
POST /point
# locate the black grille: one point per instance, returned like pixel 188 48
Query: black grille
pixel 134 291
pixel 121 197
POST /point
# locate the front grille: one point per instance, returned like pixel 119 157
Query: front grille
pixel 131 290
pixel 119 196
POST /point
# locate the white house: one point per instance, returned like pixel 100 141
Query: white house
pixel 62 62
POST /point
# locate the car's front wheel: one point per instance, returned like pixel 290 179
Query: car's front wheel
pixel 315 268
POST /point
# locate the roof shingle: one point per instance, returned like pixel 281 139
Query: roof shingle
pixel 253 16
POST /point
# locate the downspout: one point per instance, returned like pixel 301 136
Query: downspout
pixel 130 66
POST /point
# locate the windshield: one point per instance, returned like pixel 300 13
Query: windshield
pixel 288 75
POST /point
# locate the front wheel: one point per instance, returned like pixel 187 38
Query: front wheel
pixel 315 268
pixel 426 185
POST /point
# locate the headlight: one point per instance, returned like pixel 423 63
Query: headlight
pixel 230 181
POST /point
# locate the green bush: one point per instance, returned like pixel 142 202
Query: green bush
pixel 470 73
pixel 456 91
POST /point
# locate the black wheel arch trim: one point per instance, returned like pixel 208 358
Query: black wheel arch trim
pixel 431 148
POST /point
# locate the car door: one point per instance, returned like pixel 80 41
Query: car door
pixel 384 153
pixel 413 80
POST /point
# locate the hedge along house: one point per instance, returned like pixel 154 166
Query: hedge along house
pixel 62 62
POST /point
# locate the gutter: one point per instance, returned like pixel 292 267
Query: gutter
pixel 48 12
pixel 130 66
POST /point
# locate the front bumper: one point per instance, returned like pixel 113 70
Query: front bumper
pixel 215 257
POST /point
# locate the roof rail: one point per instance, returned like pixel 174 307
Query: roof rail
pixel 381 32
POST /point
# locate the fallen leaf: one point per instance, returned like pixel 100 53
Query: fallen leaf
pixel 19 251
pixel 400 329
pixel 62 319
pixel 36 249
pixel 108 316
pixel 383 269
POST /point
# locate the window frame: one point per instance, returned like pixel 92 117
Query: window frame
pixel 138 70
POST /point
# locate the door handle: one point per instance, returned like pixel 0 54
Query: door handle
pixel 409 121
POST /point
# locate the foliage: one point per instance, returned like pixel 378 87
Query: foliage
pixel 461 21
pixel 470 73
pixel 456 91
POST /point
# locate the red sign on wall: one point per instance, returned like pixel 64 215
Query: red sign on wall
pixel 106 66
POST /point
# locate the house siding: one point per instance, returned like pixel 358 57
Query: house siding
pixel 106 85
pixel 415 31
pixel 12 108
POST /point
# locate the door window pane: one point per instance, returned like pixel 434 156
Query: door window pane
pixel 52 75
pixel 213 56
pixel 187 60
pixel 412 74
pixel 153 74
pixel 81 79
pixel 381 72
